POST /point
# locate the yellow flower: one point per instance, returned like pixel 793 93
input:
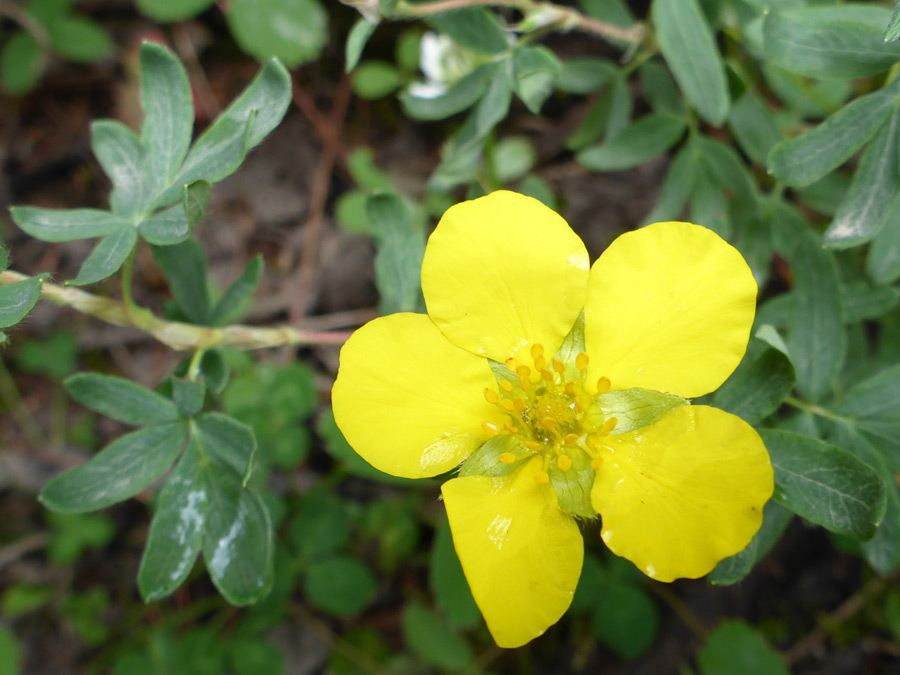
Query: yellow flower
pixel 564 387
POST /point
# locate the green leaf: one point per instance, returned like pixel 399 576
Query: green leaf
pixel 535 70
pixel 625 619
pixel 632 408
pixel 660 90
pixel 173 10
pixel 818 44
pixel 10 652
pixel 376 79
pixel 236 300
pixel 23 599
pixel 176 533
pixel 79 40
pixel 493 107
pixel 733 569
pixel 709 206
pixel 121 399
pixel 227 439
pixel 735 648
pixel 188 396
pixel 893 30
pixel 461 95
pixel 474 28
pixel 729 171
pixel 816 337
pixel 861 301
pixel 21 63
pixel 642 141
pixel 75 533
pixel 584 75
pixel 875 183
pixel 827 193
pixel 55 225
pixel 401 247
pixel 17 299
pixel 237 544
pixel 512 158
pixel 824 484
pixel 806 158
pixel 293 31
pixel 321 525
pixel 676 187
pixel 756 389
pixel 433 641
pixel 184 266
pixel 883 263
pixel 341 586
pixel 242 126
pixel 609 114
pixel 174 225
pixel 120 153
pixel 689 48
pixel 121 470
pixel 447 581
pixel 108 256
pixel 754 127
pixel 356 40
pixel 168 107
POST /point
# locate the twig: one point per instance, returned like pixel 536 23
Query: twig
pixel 28 22
pixel 554 16
pixel 176 335
pixel 687 616
pixel 321 182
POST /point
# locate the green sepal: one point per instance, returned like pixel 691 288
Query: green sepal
pixel 573 487
pixel 633 408
pixel 485 461
pixel 572 346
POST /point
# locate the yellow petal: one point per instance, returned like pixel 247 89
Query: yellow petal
pixel 669 308
pixel 681 494
pixel 504 272
pixel 522 556
pixel 408 401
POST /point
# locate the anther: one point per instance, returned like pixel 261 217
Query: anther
pixel 491 396
pixel 537 351
pixel 512 364
pixel 490 429
pixel 532 445
pixel 542 477
pixel 571 439
pixel 564 462
pixel 579 406
pixel 547 375
pixel 558 366
pixel 510 428
pixel 540 363
pixel 507 458
pixel 603 385
pixel 507 405
pixel 610 424
pixel 519 405
pixel 596 463
pixel 549 423
pixel 581 361
pixel 524 383
pixel 506 386
pixel 570 387
pixel 523 372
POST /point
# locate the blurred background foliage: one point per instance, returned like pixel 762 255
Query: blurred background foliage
pixel 773 122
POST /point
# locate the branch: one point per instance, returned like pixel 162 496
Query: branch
pixel 174 334
pixel 551 15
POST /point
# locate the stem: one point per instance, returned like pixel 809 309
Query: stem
pixel 176 335
pixel 194 367
pixel 10 396
pixel 127 268
pixel 564 18
pixel 814 409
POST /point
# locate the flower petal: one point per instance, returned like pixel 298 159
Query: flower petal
pixel 503 272
pixel 409 401
pixel 679 495
pixel 522 556
pixel 669 308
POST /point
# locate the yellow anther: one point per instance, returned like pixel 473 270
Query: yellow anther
pixel 519 405
pixel 507 405
pixel 579 406
pixel 581 361
pixel 512 364
pixel 490 429
pixel 537 351
pixel 570 387
pixel 506 386
pixel 549 423
pixel 558 366
pixel 491 396
pixel 564 462
pixel 610 424
pixel 524 383
pixel 542 477
pixel 510 428
pixel 507 458
pixel 603 385
pixel 547 375
pixel 523 372
pixel 596 463
pixel 571 439
pixel 532 445
pixel 540 363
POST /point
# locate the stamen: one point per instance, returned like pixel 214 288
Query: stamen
pixel 596 463
pixel 540 363
pixel 581 361
pixel 524 383
pixel 537 351
pixel 610 425
pixel 491 396
pixel 579 406
pixel 512 364
pixel 506 386
pixel 570 387
pixel 532 445
pixel 490 429
pixel 507 405
pixel 571 439
pixel 542 477
pixel 558 366
pixel 519 405
pixel 523 372
pixel 547 375
pixel 507 458
pixel 510 428
pixel 603 385
pixel 564 462
pixel 549 423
